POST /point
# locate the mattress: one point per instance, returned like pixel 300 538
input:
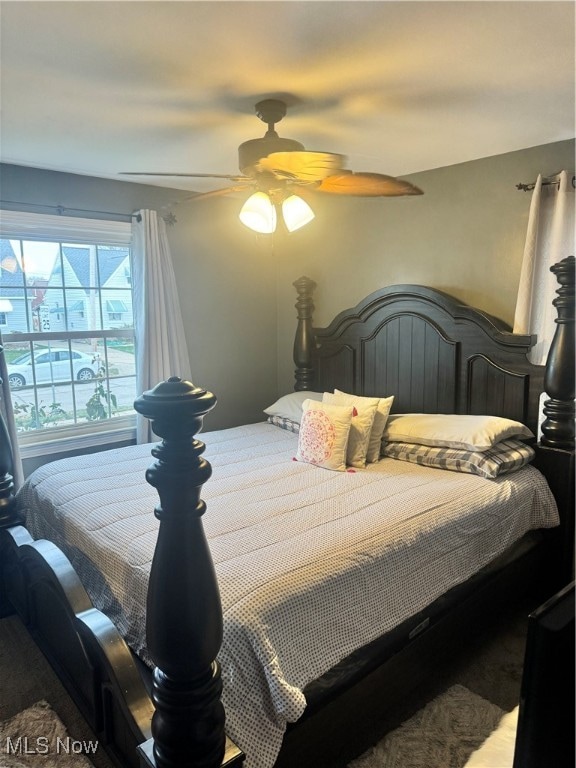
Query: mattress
pixel 311 563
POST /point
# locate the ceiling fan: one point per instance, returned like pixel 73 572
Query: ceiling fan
pixel 276 167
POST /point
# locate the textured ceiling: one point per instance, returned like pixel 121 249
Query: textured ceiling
pixel 399 87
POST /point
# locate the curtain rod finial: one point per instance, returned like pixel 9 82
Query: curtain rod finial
pixel 169 218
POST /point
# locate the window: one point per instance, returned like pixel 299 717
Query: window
pixel 69 331
pixel 116 309
pixel 5 308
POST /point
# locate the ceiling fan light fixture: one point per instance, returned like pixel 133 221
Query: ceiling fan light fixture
pixel 259 214
pixel 296 213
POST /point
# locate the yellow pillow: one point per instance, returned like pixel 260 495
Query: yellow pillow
pixel 323 435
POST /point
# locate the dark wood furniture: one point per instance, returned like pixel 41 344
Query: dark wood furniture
pixel 545 733
pixel 434 355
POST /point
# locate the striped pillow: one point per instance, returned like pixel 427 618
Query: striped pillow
pixel 506 456
pixel 283 423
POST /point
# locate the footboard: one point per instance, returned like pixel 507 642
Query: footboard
pixel 82 645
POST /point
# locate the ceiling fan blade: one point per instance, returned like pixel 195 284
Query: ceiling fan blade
pixel 367 185
pixel 188 175
pixel 305 166
pixel 216 193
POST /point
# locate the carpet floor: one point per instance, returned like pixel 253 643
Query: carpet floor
pixel 490 670
pixel 443 734
pixel 37 736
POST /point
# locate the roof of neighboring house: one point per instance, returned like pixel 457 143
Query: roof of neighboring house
pixel 11 278
pixel 109 259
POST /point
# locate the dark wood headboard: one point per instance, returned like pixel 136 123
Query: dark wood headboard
pixel 434 354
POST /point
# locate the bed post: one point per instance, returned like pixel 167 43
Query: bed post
pixel 555 454
pixel 304 339
pixel 558 426
pixel 184 614
pixel 8 514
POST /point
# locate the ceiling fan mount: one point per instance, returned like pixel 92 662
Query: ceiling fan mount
pixel 271 111
pixel 250 152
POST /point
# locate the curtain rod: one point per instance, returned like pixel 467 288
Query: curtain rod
pixel 63 209
pixel 168 217
pixel 545 182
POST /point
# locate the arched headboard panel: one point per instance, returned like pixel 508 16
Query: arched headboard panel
pixel 434 354
pixel 400 345
pixel 504 392
pixel 336 366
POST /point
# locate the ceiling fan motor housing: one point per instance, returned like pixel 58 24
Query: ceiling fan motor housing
pixel 250 152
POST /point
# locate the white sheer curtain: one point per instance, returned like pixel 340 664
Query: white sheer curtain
pixel 159 331
pixel 549 239
pixel 8 416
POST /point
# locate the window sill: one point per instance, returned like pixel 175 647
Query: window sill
pixel 74 440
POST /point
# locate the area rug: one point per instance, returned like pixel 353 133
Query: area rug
pixel 37 737
pixel 443 734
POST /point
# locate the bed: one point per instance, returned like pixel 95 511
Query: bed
pixel 294 661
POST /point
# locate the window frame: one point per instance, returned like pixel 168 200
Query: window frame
pixel 23 225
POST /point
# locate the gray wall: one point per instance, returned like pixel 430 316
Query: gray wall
pixel 464 236
pixel 225 280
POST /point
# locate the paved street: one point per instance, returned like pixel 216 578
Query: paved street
pixel 122 385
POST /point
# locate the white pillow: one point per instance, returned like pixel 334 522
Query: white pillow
pixel 362 422
pixel 323 436
pixel 290 406
pixel 379 425
pixel 474 433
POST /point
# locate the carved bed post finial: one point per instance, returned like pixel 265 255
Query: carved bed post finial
pixel 304 338
pixel 184 614
pixel 558 426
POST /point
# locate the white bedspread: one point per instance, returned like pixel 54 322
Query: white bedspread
pixel 311 563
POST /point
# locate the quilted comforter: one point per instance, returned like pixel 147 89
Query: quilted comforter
pixel 311 563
